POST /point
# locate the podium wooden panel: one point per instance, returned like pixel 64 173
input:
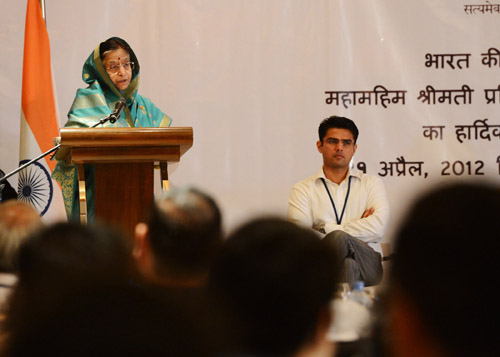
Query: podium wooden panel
pixel 124 159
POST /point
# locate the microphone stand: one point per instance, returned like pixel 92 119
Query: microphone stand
pixel 111 118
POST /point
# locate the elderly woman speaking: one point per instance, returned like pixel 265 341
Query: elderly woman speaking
pixel 112 74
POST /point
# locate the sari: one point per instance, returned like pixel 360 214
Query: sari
pixel 93 103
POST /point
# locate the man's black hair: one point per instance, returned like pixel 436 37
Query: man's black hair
pixel 337 122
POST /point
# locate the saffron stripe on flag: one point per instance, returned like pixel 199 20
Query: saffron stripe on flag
pixel 39 123
pixel 37 93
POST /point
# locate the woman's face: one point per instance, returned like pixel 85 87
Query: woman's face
pixel 118 67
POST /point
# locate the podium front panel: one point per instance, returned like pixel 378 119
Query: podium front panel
pixel 124 194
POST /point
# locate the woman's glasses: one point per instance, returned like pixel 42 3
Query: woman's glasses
pixel 115 67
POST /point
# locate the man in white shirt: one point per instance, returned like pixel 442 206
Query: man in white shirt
pixel 350 208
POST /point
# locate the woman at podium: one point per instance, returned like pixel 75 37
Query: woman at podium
pixel 112 75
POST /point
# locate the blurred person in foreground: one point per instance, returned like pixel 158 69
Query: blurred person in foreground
pixel 77 296
pixel 440 299
pixel 61 259
pixel 275 280
pixel 174 252
pixel 17 221
pixel 110 320
pixel 176 247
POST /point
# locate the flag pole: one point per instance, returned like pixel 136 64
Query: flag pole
pixel 42 4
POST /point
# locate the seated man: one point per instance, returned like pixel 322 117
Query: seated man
pixel 275 280
pixel 351 208
pixel 176 247
pixel 440 298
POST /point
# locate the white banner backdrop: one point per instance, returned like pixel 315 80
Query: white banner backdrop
pixel 255 78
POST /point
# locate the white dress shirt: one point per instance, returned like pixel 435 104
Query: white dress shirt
pixel 310 205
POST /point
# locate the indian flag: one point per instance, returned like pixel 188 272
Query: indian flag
pixel 39 121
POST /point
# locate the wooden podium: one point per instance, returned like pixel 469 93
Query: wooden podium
pixel 124 159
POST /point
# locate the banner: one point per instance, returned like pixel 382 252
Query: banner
pixel 39 124
pixel 255 78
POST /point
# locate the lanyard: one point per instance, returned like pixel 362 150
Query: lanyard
pixel 333 204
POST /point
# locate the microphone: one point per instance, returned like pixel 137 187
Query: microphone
pixel 118 110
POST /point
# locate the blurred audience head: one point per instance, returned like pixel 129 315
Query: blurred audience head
pixel 445 267
pixel 76 296
pixel 71 252
pixel 277 280
pixel 65 259
pixel 177 245
pixel 17 221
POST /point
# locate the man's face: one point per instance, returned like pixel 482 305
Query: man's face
pixel 337 148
